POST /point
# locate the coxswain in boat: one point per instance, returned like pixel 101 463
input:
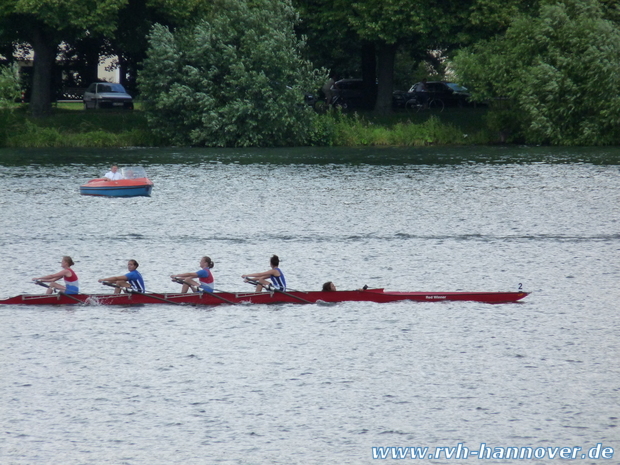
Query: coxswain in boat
pixel 205 281
pixel 329 287
pixel 132 280
pixel 72 283
pixel 274 275
pixel 113 174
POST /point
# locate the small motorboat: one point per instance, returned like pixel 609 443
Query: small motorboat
pixel 133 184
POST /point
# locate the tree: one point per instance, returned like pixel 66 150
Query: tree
pixel 559 72
pixel 88 27
pixel 135 20
pixel 44 24
pixel 236 79
pixel 386 25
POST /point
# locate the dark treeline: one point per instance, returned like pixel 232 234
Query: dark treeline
pixel 548 69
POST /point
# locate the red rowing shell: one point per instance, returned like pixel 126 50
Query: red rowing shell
pixel 293 297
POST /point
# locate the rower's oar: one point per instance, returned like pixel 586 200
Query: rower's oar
pixel 181 281
pixel 271 288
pixel 133 291
pixel 41 283
pixel 296 290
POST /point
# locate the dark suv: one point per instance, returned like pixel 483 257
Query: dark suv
pixel 450 93
pixel 353 94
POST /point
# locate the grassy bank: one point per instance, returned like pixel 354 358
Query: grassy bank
pixel 454 126
pixel 71 126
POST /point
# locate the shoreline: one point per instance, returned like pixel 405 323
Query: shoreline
pixel 70 126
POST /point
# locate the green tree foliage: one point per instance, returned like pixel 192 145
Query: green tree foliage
pixel 393 25
pixel 236 79
pixel 559 72
pixel 44 24
pixel 331 43
pixel 135 20
pixel 9 85
pixel 87 25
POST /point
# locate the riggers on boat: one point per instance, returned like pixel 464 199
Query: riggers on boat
pixel 272 297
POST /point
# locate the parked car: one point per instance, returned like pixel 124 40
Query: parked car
pixel 452 95
pixel 107 95
pixel 352 94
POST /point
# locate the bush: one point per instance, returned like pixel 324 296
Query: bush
pixel 9 85
pixel 236 79
pixel 559 73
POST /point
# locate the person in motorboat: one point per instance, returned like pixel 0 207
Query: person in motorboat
pixel 113 174
pixel 274 275
pixel 72 283
pixel 132 280
pixel 329 287
pixel 205 277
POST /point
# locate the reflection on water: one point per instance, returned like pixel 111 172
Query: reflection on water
pixel 312 156
pixel 313 384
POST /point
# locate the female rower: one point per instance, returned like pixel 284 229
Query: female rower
pixel 132 280
pixel 329 287
pixel 72 283
pixel 204 275
pixel 275 275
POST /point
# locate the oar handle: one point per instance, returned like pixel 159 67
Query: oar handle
pixel 41 283
pixel 270 287
pixel 108 283
pixel 256 283
pixel 128 290
pixel 182 281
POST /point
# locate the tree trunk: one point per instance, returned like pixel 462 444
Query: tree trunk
pixel 44 57
pixel 369 74
pixel 122 70
pixel 386 56
pixel 91 72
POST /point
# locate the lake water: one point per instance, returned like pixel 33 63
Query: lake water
pixel 295 384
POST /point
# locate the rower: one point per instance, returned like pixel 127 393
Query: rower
pixel 132 280
pixel 72 283
pixel 205 278
pixel 274 275
pixel 329 287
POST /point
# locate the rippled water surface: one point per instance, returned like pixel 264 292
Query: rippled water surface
pixel 295 384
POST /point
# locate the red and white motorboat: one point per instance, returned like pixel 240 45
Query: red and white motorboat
pixel 133 184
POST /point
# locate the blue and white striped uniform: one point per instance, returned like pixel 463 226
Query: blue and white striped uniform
pixel 135 279
pixel 278 281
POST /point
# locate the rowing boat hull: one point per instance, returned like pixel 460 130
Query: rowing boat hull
pixel 293 297
pixel 122 188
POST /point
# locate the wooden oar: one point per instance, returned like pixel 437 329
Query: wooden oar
pixel 271 288
pixel 133 291
pixel 181 281
pixel 41 283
